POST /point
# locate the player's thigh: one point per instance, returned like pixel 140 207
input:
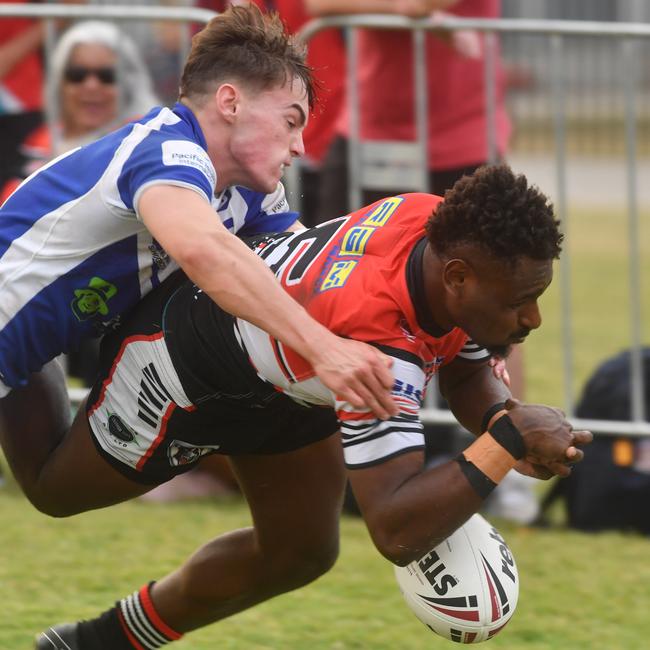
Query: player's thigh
pixel 33 420
pixel 295 498
pixel 77 478
pixel 42 405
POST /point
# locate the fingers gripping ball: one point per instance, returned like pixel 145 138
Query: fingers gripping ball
pixel 466 588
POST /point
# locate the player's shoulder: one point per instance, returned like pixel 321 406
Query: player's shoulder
pixel 412 207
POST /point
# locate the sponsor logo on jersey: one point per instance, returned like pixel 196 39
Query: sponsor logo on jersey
pixel 92 300
pixel 159 255
pixel 119 429
pixel 408 391
pixel 337 275
pixel 183 453
pixel 355 240
pixel 383 212
pixel 188 154
pixel 406 331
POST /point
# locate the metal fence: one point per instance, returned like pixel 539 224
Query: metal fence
pixel 563 99
pixel 554 105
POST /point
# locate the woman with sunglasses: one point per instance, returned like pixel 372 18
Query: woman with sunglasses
pixel 97 81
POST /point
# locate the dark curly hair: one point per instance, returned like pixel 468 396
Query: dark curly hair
pixel 500 212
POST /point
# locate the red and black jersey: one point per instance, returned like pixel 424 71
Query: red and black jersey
pixel 362 277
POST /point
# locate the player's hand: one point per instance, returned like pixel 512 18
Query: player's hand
pixel 357 373
pixel 466 42
pixel 551 443
pixel 414 8
pixel 499 369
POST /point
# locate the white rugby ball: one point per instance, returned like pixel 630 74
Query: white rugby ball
pixel 466 588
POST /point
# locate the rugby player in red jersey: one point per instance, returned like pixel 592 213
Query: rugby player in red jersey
pixel 438 285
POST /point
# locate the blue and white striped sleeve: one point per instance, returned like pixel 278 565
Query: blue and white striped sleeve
pixel 157 161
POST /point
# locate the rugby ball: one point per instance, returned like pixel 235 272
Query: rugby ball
pixel 466 588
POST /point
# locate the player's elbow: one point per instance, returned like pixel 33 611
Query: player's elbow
pixel 399 545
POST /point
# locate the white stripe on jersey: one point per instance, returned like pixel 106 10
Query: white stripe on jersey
pixel 368 440
pixel 365 439
pixel 392 438
pixel 236 210
pixel 108 183
pixel 473 352
pixel 57 235
pixel 121 397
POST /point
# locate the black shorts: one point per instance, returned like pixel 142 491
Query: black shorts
pixel 146 425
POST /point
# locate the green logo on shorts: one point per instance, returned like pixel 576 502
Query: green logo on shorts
pixel 90 301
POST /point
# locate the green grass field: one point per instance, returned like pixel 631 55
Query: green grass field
pixel 577 591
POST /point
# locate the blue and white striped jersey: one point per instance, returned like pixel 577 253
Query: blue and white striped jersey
pixel 74 254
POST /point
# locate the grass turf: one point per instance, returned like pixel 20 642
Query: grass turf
pixel 577 591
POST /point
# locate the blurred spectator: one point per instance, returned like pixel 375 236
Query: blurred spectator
pixel 162 43
pixel 96 82
pixel 21 81
pixel 326 54
pixel 457 110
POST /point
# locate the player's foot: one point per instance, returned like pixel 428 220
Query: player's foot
pixel 58 637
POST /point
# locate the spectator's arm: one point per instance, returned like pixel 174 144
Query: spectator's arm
pixel 19 47
pixel 413 8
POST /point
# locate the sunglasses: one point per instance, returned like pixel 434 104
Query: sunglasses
pixel 77 74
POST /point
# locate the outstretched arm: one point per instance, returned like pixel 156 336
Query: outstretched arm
pixel 409 508
pixel 236 279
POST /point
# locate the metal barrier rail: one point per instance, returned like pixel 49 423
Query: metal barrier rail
pixel 115 12
pixel 557 30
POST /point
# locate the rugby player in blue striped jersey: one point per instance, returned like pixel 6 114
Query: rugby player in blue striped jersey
pixel 87 236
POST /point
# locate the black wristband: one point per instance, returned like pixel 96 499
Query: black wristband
pixel 481 483
pixel 489 413
pixel 508 436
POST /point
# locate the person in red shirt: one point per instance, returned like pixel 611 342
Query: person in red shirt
pixel 456 104
pixel 437 285
pixel 21 83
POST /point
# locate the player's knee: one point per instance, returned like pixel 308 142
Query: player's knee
pixel 301 565
pixel 53 509
pixel 48 503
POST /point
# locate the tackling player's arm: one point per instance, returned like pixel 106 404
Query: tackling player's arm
pixel 409 508
pixel 237 280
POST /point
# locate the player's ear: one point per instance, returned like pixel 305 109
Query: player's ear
pixel 227 99
pixel 455 276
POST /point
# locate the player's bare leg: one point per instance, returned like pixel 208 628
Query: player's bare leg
pixel 33 421
pixel 56 462
pixel 295 501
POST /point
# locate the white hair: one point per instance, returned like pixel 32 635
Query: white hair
pixel 136 93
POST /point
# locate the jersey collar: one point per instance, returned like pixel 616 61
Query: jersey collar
pixel 415 284
pixel 190 119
